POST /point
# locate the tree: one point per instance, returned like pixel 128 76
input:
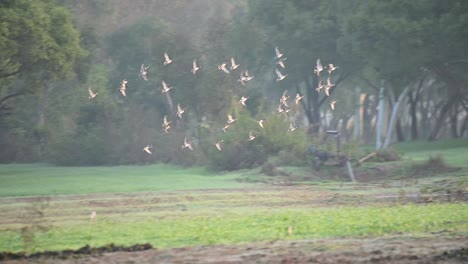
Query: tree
pixel 38 41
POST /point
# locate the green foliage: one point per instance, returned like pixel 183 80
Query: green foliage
pixel 215 227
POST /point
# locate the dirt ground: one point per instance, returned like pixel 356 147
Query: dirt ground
pixel 394 249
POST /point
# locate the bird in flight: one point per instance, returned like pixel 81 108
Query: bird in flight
pixel 167 60
pixel 166 122
pixel 280 75
pixel 123 87
pixel 278 54
pixel 318 68
pixel 165 88
pixel 243 99
pixel 195 67
pixel 260 122
pixel 332 104
pixel 187 144
pixel 298 98
pixel 231 119
pixel 143 72
pixel 218 145
pixel 226 127
pixel 92 94
pixel 320 86
pixel 180 111
pixel 222 67
pixel 284 99
pixel 292 127
pixel 280 62
pixel 233 64
pixel 328 86
pixel 251 135
pixel 331 68
pixel 147 149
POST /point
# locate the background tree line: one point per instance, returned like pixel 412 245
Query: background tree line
pixel 52 51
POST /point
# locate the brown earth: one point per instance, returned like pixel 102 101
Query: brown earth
pixel 394 249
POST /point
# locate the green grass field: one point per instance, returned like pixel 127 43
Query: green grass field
pixel 47 208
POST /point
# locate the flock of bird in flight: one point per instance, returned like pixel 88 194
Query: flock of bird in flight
pixel 245 77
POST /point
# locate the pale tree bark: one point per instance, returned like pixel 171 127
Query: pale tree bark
pixel 393 118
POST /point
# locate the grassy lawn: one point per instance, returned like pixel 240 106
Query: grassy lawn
pixel 47 208
pixel 34 180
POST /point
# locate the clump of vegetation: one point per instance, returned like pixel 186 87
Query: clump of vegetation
pixel 386 155
pixel 433 165
pixel 269 169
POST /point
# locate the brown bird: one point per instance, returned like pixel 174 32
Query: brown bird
pixel 328 86
pixel 167 60
pixel 92 95
pixel 147 149
pixel 290 230
pixel 187 144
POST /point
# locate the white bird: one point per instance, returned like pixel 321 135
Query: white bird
pixel 123 87
pixel 331 68
pixel 93 215
pixel 187 144
pixel 147 149
pixel 280 62
pixel 195 67
pixel 222 67
pixel 243 99
pixel 231 119
pixel 251 135
pixel 291 127
pixel 278 54
pixel 298 98
pixel 165 88
pixel 280 75
pixel 218 145
pixel 260 122
pixel 143 72
pixel 233 64
pixel 180 111
pixel 167 60
pixel 91 94
pixel 318 68
pixel 332 104
pixel 242 79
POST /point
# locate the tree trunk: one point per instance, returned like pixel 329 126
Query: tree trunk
pixel 440 119
pixel 399 131
pixel 414 118
pixel 380 119
pixel 454 121
pixel 394 117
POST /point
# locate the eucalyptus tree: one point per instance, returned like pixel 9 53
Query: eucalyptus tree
pixel 408 42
